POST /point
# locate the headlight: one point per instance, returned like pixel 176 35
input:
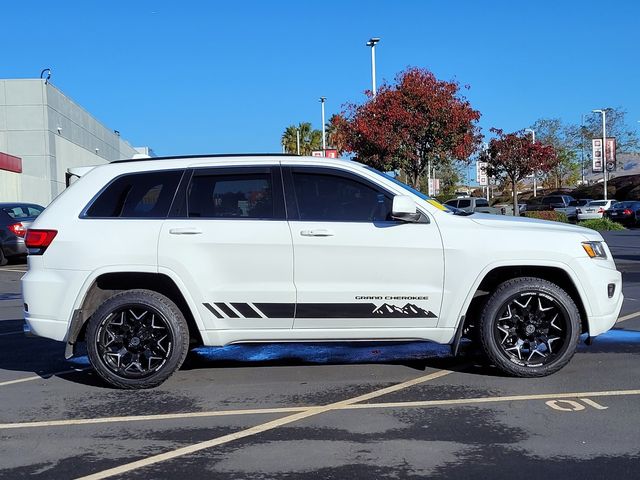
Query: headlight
pixel 594 249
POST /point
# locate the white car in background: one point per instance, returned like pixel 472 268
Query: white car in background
pixel 594 209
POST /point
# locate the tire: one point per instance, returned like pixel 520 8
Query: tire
pixel 3 259
pixel 150 330
pixel 529 327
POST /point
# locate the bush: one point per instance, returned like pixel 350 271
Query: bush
pixel 548 215
pixel 601 224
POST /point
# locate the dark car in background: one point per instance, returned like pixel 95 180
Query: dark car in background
pixel 15 218
pixel 627 213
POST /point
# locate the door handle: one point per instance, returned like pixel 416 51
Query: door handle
pixel 317 233
pixel 185 231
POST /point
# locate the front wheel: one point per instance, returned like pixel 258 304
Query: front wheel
pixel 530 327
pixel 137 339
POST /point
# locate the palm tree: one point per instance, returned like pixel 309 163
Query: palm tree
pixel 310 139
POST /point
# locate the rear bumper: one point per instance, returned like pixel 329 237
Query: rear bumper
pixel 14 247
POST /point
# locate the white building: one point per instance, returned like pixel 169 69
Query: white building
pixel 42 133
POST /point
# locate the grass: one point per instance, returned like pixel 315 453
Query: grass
pixel 601 224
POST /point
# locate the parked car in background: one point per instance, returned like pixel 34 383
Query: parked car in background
pixel 571 210
pixel 473 204
pixel 627 213
pixel 15 218
pixel 594 209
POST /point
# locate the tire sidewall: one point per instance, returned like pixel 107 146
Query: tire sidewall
pixel 146 299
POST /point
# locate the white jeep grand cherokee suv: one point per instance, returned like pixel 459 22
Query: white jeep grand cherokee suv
pixel 143 259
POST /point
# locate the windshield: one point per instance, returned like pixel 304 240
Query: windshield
pixel 399 183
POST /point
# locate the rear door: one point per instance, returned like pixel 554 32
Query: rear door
pixel 229 242
pixel 355 267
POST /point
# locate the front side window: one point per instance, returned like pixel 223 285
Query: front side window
pixel 138 195
pixel 231 196
pixel 327 197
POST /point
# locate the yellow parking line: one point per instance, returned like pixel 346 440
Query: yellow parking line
pixel 263 411
pixel 628 317
pixel 141 418
pixel 309 412
pixel 38 377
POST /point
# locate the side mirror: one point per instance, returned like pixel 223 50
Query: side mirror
pixel 404 209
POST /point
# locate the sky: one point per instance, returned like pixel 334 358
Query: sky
pixel 195 77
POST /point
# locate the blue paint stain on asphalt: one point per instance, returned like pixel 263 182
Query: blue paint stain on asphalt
pixel 361 352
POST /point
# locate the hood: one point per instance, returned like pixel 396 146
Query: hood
pixel 524 223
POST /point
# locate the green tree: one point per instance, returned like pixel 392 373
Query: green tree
pixel 310 139
pixel 565 170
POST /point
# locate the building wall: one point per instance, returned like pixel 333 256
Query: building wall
pixel 51 133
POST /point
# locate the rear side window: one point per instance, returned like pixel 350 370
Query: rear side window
pixel 138 195
pixel 242 195
pixel 452 203
pixel 464 203
pixel 481 203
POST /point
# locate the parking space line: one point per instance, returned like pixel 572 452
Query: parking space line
pixel 141 418
pixel 39 377
pixel 628 317
pixel 12 270
pixel 276 410
pixel 308 412
pixel 10 333
pixel 509 398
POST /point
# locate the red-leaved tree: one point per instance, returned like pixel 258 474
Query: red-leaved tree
pixel 513 156
pixel 416 122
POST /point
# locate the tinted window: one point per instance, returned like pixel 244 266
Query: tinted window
pixel 550 200
pixel 139 195
pixel 336 198
pixel 464 203
pixel 453 203
pixel 482 203
pixel 231 196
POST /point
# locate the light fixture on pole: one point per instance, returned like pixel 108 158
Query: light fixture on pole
pixel 533 140
pixel 324 143
pixel 604 147
pixel 372 43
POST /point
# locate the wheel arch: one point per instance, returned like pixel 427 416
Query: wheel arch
pixel 499 274
pixel 107 284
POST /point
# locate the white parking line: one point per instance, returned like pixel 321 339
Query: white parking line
pixel 309 412
pixel 628 317
pixel 12 270
pixel 264 411
pixel 38 377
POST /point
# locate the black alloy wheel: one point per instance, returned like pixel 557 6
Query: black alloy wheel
pixel 137 339
pixel 530 327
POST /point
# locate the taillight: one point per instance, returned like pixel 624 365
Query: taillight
pixel 601 210
pixel 18 229
pixel 626 211
pixel 37 241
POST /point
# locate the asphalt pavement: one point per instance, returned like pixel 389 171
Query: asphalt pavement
pixel 325 411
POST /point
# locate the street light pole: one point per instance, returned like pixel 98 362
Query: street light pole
pixel 582 146
pixel 604 147
pixel 324 144
pixel 533 140
pixel 372 43
pixel 298 139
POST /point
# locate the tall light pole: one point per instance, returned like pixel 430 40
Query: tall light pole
pixel 582 146
pixel 372 43
pixel 533 140
pixel 298 139
pixel 324 144
pixel 604 147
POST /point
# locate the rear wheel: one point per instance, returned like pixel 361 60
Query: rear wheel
pixel 137 339
pixel 3 259
pixel 530 327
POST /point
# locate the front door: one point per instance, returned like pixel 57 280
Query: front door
pixel 354 266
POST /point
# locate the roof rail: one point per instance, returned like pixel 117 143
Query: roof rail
pixel 210 155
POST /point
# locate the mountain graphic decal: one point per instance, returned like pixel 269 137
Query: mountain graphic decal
pixel 409 310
